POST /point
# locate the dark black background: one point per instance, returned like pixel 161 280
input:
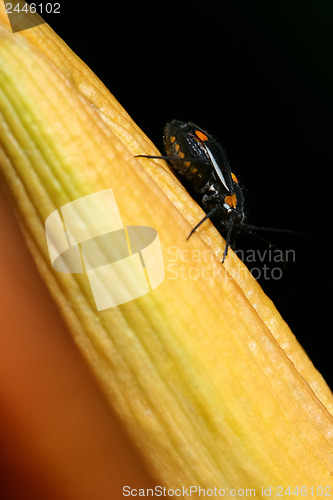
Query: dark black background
pixel 257 75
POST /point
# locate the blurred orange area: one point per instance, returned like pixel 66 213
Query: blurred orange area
pixel 59 439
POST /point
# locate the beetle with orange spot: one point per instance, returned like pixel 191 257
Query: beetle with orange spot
pixel 201 161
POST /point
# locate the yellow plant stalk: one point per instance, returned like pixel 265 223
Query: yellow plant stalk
pixel 204 373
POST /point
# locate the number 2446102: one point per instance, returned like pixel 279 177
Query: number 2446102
pixel 48 8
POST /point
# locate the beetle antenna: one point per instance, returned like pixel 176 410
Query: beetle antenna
pixel 249 228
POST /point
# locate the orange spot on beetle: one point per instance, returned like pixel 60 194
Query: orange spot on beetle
pixel 172 139
pixel 234 178
pixel 181 155
pixel 187 164
pixel 177 147
pixel 231 200
pixel 200 135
